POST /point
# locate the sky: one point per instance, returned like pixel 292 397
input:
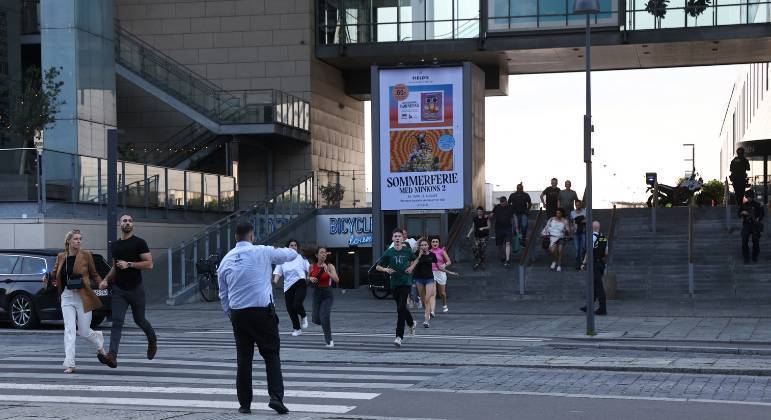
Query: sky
pixel 641 119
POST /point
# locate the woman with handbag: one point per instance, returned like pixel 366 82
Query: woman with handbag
pixel 555 231
pixel 73 274
pixel 322 275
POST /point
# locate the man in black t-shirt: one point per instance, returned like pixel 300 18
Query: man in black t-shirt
pixel 739 167
pixel 550 198
pixel 131 255
pixel 503 213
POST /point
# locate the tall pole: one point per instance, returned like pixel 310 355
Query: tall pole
pixel 112 185
pixel 588 195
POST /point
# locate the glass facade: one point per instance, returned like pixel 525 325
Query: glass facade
pixel 529 15
pixel 679 14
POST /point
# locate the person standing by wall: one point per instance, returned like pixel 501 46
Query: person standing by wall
pixel 739 167
pixel 600 253
pixel 131 255
pixel 395 262
pixel 550 198
pixel 73 274
pixel 246 295
pixel 295 273
pixel 520 203
pixel 322 274
pixel 752 214
pixel 481 229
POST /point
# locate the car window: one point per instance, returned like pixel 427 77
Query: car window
pixel 7 262
pixel 32 265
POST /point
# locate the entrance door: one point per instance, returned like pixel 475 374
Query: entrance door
pixel 418 225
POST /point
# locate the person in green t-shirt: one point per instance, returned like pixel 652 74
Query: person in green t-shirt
pixel 395 262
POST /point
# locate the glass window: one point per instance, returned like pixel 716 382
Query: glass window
pixel 58 175
pixel 32 265
pixel 194 196
pixel 210 192
pixel 7 262
pixel 134 187
pixel 466 9
pixel 156 186
pixel 176 189
pixel 89 180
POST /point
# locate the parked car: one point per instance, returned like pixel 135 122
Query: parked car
pixel 26 301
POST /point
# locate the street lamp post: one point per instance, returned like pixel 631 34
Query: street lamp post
pixel 693 156
pixel 588 7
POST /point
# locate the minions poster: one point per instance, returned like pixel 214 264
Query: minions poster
pixel 421 146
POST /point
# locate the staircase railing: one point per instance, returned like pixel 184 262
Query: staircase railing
pixel 222 107
pixel 267 218
pixel 524 259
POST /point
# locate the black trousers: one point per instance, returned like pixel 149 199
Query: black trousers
pixel 739 192
pixel 121 300
pixel 599 288
pixel 750 231
pixel 322 310
pixel 256 326
pixel 294 298
pixel 403 315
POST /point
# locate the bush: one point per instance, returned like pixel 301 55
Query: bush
pixel 712 190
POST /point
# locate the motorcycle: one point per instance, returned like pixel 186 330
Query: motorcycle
pixel 680 195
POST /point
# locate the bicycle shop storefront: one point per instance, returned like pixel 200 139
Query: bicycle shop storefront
pixel 348 237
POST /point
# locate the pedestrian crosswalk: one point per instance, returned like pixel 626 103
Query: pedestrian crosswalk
pixel 330 388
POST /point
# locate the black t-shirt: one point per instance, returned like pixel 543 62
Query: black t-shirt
pixel 424 268
pixel 503 215
pixel 552 195
pixel 739 167
pixel 520 202
pixel 129 250
pixel 69 264
pixel 479 223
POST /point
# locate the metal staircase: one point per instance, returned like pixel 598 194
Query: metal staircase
pixel 268 217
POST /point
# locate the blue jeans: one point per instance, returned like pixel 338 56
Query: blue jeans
pixel 521 220
pixel 579 240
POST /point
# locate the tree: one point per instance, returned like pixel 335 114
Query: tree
pixel 713 190
pixel 694 8
pixel 33 105
pixel 333 194
pixel 658 8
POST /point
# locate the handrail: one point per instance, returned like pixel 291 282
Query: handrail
pixel 529 242
pixel 254 207
pixel 457 229
pixel 691 256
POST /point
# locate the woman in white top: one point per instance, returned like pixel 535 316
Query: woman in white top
pixel 295 273
pixel 556 230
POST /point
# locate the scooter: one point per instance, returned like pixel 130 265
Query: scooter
pixel 680 195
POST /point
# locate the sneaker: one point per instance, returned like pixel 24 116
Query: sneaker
pixel 278 406
pixel 412 330
pixel 398 341
pixel 553 265
pixel 295 333
pixel 425 324
pixel 559 268
pixel 433 315
pixel 330 345
pixel 304 323
pixel 152 349
pixel 445 309
pixel 507 264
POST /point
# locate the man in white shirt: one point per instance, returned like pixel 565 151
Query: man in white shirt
pixel 295 274
pixel 246 294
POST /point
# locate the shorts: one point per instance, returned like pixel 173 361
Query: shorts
pixel 423 282
pixel 440 277
pixel 502 236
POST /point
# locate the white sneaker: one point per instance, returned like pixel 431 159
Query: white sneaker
pixel 295 333
pixel 559 268
pixel 398 342
pixel 445 309
pixel 330 345
pixel 412 329
pixel 304 323
pixel 553 265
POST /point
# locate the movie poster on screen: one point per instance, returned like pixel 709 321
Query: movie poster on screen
pixel 421 138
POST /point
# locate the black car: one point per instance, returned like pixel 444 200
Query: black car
pixel 26 301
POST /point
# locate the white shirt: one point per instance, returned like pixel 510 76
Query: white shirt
pixel 293 271
pixel 245 275
pixel 411 242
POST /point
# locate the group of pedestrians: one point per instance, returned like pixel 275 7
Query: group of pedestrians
pixel 750 211
pixel 425 268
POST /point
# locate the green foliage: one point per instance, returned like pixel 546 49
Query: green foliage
pixel 694 8
pixel 332 194
pixel 657 8
pixel 33 105
pixel 712 190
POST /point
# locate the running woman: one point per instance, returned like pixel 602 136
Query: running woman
pixel 321 276
pixel 440 273
pixel 295 287
pixel 395 262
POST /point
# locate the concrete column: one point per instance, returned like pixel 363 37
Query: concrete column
pixel 77 36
